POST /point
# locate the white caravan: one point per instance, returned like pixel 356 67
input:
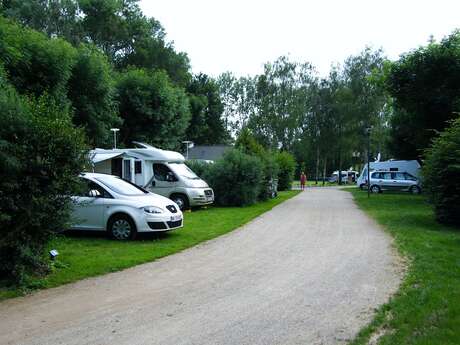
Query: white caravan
pixel 159 171
pixel 412 167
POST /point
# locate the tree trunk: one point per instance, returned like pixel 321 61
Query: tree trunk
pixel 324 170
pixel 340 169
pixel 317 164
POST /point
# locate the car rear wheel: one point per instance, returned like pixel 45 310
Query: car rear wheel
pixel 415 190
pixel 375 189
pixel 181 201
pixel 121 228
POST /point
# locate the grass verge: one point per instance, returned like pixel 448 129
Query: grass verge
pixel 426 309
pixel 87 256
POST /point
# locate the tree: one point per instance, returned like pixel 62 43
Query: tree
pixel 117 27
pixel 59 18
pixel 92 93
pixel 238 96
pixel 425 84
pixel 206 125
pixel 282 103
pixel 35 64
pixel 152 108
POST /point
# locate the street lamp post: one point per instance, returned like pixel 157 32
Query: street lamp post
pixel 114 130
pixel 368 132
pixel 188 144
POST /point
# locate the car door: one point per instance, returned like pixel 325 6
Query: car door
pixel 387 183
pixel 88 210
pixel 164 180
pixel 399 181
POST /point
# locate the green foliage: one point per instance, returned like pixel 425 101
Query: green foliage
pixel 425 84
pixel 287 164
pixel 441 174
pixel 236 179
pixel 34 63
pixel 248 144
pixel 53 17
pixel 206 125
pixel 153 109
pixel 41 155
pixel 92 93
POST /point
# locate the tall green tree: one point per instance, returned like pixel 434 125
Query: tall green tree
pixel 91 90
pixel 206 125
pixel 282 102
pixel 34 63
pixel 152 108
pixel 425 84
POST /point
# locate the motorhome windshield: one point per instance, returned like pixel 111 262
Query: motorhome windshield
pixel 184 171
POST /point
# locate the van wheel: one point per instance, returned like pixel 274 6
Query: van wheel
pixel 376 189
pixel 181 201
pixel 121 227
pixel 415 190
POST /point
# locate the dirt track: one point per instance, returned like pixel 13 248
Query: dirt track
pixel 311 271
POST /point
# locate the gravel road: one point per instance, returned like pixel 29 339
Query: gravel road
pixel 311 271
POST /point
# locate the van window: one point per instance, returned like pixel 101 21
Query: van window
pixel 399 176
pixel 385 175
pixel 160 171
pixel 410 177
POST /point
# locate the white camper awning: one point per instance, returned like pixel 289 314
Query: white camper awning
pixel 99 157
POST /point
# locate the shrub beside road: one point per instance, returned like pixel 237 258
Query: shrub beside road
pixel 426 310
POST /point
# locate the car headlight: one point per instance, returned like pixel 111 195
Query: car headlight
pixel 152 209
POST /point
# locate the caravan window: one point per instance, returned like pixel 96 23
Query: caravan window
pixel 160 172
pixel 138 167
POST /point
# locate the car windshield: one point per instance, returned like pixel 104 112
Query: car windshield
pixel 120 186
pixel 183 170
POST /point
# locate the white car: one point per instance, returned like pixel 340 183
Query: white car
pixel 121 208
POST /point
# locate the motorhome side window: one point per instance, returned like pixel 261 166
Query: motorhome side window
pixel 161 172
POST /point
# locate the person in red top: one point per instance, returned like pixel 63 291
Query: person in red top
pixel 303 180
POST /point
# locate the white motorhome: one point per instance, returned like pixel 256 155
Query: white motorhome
pixel 412 167
pixel 159 171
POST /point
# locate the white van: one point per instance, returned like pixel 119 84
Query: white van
pixel 159 171
pixel 412 167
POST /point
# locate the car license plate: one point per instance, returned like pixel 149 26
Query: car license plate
pixel 176 217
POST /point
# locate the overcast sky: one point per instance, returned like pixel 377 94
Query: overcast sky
pixel 240 35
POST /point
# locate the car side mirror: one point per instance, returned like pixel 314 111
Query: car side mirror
pixel 94 193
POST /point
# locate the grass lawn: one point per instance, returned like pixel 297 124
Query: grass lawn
pixel 426 310
pixel 86 256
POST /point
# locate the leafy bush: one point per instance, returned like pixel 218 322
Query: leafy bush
pixel 441 174
pixel 236 179
pixel 249 145
pixel 286 163
pixel 41 155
